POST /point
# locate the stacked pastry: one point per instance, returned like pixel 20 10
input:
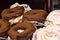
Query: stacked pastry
pixel 12 28
pixel 18 21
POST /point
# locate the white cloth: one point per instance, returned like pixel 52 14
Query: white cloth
pixel 26 6
pixel 19 19
pixel 52 29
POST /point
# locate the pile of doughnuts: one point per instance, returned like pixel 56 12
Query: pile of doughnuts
pixel 12 30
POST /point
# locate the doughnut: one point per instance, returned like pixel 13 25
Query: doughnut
pixel 10 13
pixel 35 15
pixel 28 28
pixel 4 27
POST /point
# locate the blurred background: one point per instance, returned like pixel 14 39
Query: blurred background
pixel 56 4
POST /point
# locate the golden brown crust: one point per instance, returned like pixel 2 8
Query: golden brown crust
pixel 27 33
pixel 35 15
pixel 12 12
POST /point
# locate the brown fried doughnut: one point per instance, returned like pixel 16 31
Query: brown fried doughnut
pixel 12 12
pixel 25 35
pixel 4 27
pixel 35 15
